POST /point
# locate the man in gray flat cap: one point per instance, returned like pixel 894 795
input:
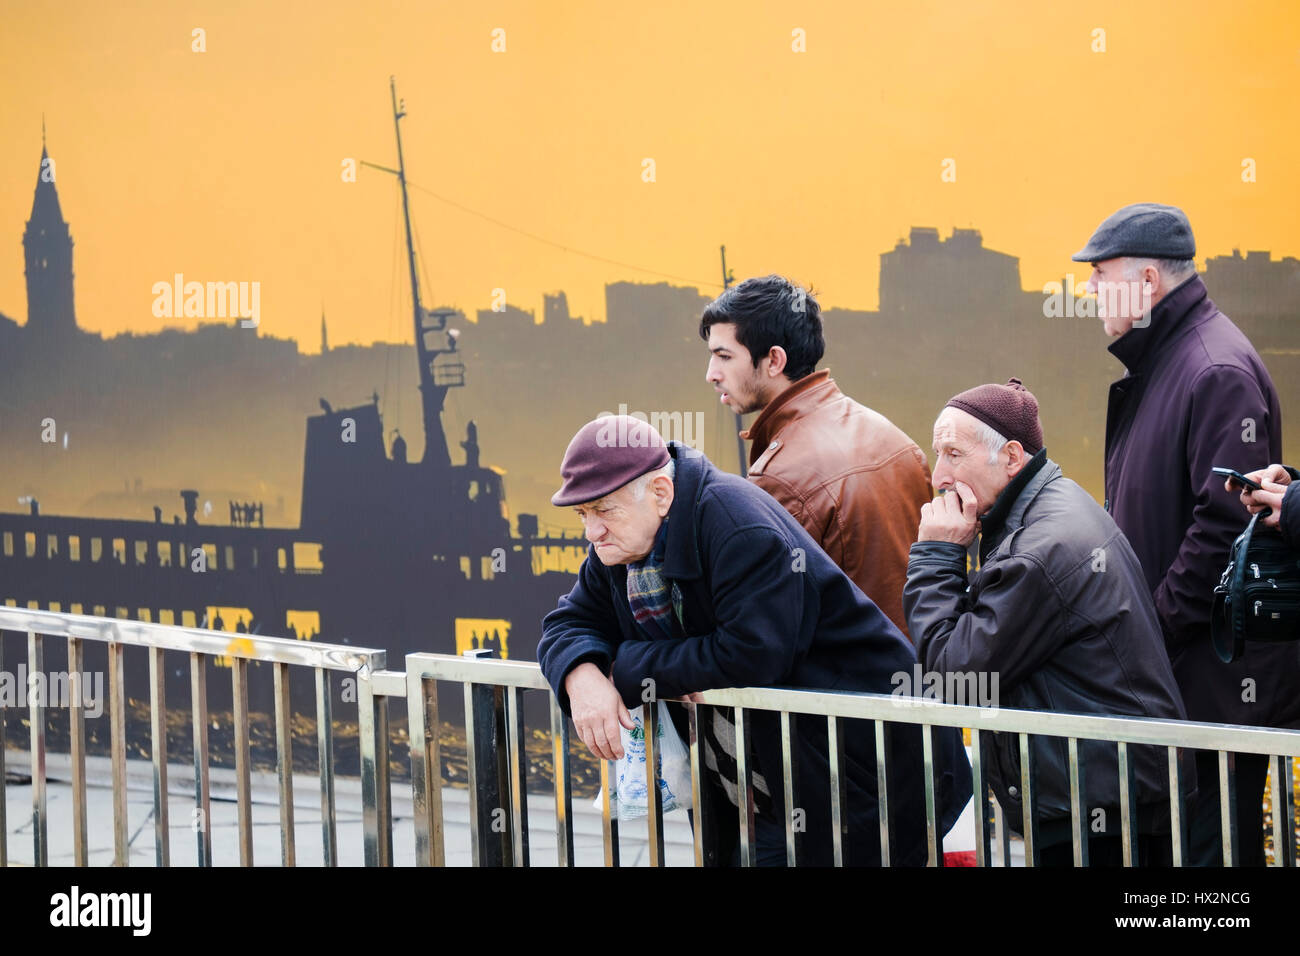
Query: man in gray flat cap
pixel 1196 395
pixel 697 579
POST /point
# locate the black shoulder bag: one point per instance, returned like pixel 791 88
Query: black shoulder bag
pixel 1258 597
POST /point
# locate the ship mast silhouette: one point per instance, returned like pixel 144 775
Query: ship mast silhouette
pixel 436 376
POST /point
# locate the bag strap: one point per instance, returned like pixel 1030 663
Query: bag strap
pixel 1236 595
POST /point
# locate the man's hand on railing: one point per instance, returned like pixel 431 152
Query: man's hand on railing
pixel 597 710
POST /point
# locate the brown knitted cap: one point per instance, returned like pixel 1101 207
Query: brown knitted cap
pixel 1011 410
pixel 605 455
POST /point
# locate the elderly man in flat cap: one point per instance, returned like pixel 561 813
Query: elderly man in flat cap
pixel 1058 610
pixel 697 579
pixel 1196 395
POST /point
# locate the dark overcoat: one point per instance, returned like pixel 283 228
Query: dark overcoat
pixel 762 605
pixel 1196 396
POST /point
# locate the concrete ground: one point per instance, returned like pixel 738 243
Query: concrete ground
pixel 307 820
pixel 183 841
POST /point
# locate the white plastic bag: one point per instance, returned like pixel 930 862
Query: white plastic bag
pixel 629 793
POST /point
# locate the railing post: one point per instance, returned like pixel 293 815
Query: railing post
pixel 563 790
pixel 1283 813
pixel 77 742
pixel 1228 806
pixel 486 763
pixel 426 767
pixel 1078 812
pixel 4 816
pixel 372 729
pixel 201 822
pixel 1028 798
pixel 36 717
pixel 654 796
pixel 980 792
pixel 1177 812
pixel 158 732
pixel 117 736
pixel 325 760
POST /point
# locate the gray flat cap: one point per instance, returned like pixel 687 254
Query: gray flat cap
pixel 1146 230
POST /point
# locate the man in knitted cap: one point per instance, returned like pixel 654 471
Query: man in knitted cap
pixel 1057 617
pixel 697 579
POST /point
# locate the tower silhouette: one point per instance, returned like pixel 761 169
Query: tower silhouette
pixel 47 246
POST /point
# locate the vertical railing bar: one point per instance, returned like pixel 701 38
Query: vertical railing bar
pixel 1228 806
pixel 980 793
pixel 934 846
pixel 243 787
pixel 882 793
pixel 158 732
pixel 199 725
pixel 654 794
pixel 788 783
pixel 1003 834
pixel 1127 805
pixel 367 738
pixel 1175 807
pixel 433 763
pixel 383 781
pixel 36 719
pixel 4 813
pixel 382 806
pixel 563 785
pixel 518 775
pixel 744 789
pixel 422 784
pixel 1283 812
pixel 472 775
pixel 325 767
pixel 1027 787
pixel 1078 813
pixel 608 816
pixel 839 798
pixel 284 763
pixel 77 738
pixel 696 713
pixel 117 742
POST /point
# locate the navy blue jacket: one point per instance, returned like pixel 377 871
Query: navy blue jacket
pixel 762 605
pixel 1196 395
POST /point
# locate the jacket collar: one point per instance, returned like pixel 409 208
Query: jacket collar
pixel 1008 512
pixel 681 550
pixel 798 400
pixel 1138 346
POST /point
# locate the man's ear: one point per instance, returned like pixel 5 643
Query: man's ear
pixel 1016 457
pixel 776 361
pixel 663 486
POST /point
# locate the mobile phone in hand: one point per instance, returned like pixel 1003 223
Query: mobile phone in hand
pixel 1236 476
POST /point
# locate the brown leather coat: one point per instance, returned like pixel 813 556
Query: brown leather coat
pixel 851 477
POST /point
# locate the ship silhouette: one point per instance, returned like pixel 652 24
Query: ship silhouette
pixel 403 555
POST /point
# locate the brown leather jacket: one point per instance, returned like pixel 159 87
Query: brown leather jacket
pixel 851 477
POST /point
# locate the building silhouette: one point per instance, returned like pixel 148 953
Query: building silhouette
pixel 47 249
pixel 958 273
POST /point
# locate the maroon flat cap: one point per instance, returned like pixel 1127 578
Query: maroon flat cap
pixel 1011 410
pixel 605 455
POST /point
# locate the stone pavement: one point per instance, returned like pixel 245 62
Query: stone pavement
pixel 307 817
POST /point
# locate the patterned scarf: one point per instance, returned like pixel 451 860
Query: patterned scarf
pixel 654 604
pixel 648 595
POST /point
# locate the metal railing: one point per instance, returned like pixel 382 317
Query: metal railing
pixel 200 646
pixel 497 766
